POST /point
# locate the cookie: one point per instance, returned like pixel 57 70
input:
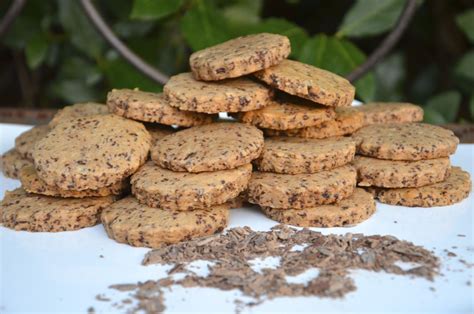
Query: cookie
pixel 33 184
pixel 398 173
pixel 232 95
pixel 26 141
pixel 390 112
pixel 77 111
pixel 11 163
pixel 212 147
pixel 128 221
pixel 405 141
pixel 162 188
pixel 347 121
pixel 151 107
pixel 239 56
pixel 301 190
pixel 352 210
pixel 39 213
pixel 307 81
pixel 294 155
pixel 454 189
pixel 288 113
pixel 158 131
pixel 91 152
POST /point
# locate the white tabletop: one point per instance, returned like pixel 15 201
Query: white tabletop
pixel 63 272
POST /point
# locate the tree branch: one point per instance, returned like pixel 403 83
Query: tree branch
pixel 13 11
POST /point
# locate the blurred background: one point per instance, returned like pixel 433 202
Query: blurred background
pixel 52 55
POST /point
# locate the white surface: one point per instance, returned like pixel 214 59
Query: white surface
pixel 63 272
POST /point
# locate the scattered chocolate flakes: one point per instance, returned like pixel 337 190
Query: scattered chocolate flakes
pixel 101 297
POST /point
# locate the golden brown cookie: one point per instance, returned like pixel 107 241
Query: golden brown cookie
pixel 151 107
pixel 25 142
pixel 77 111
pixel 390 112
pixel 405 141
pixel 454 189
pixel 306 81
pixel 128 221
pixel 294 155
pixel 398 173
pixel 288 113
pixel 232 95
pixel 301 190
pixel 33 184
pixel 239 56
pixel 212 147
pixel 162 188
pixel 91 152
pixel 39 213
pixel 352 210
pixel 11 163
pixel 347 121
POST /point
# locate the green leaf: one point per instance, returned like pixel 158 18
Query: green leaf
pixel 73 91
pixel 203 26
pixel 465 67
pixel 341 57
pixel 36 50
pixel 120 74
pixel 243 12
pixel 81 31
pixel 465 21
pixel 389 76
pixel 424 84
pixel 154 9
pixel 75 68
pixel 432 116
pixel 370 17
pixel 471 106
pixel 446 104
pixel 130 29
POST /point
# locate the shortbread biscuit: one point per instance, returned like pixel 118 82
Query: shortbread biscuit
pixel 390 112
pixel 11 163
pixel 77 111
pixel 25 142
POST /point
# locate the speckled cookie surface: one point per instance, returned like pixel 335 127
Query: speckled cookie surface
pixel 352 210
pixel 33 184
pixel 212 147
pixel 347 121
pixel 301 190
pixel 290 113
pixel 454 189
pixel 11 163
pixel 39 213
pixel 77 111
pixel 390 112
pixel 128 221
pixel 239 56
pixel 151 107
pixel 309 82
pixel 232 95
pixel 399 173
pixel 299 155
pixel 405 141
pixel 92 152
pixel 166 189
pixel 25 142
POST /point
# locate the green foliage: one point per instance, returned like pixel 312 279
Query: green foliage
pixel 443 108
pixel 471 106
pixel 36 50
pixel 389 76
pixel 465 22
pixel 154 9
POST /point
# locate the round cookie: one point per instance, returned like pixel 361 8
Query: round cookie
pixel 33 184
pixel 25 142
pixel 390 112
pixel 39 213
pixel 212 147
pixel 239 56
pixel 166 189
pixel 151 107
pixel 398 173
pixel 405 141
pixel 77 111
pixel 454 189
pixel 158 131
pixel 233 95
pixel 352 210
pixel 11 163
pixel 347 121
pixel 292 113
pixel 91 152
pixel 301 190
pixel 307 81
pixel 128 221
pixel 294 155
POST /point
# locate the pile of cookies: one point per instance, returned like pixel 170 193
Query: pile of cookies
pixel 162 168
